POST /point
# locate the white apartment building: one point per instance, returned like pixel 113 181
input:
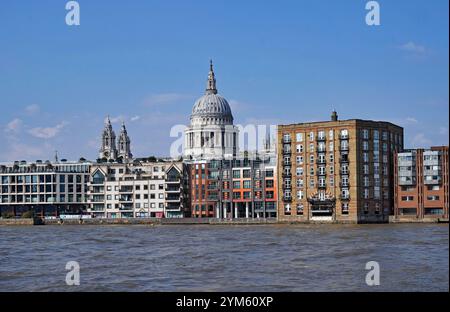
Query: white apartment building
pixel 138 189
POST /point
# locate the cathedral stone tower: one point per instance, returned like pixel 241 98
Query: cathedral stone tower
pixel 124 144
pixel 108 149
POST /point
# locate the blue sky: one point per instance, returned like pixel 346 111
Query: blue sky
pixel 276 62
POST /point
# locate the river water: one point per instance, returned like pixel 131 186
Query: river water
pixel 225 258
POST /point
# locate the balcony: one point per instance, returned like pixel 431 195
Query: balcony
pixel 126 199
pixel 344 197
pixel 287 163
pixel 173 206
pixel 173 180
pixel 286 151
pixel 343 136
pixel 287 198
pixel 286 175
pixel 433 181
pixel 126 189
pixel 322 186
pixel 286 140
pixel 343 160
pixel 321 162
pixel 321 150
pixel 343 148
pixel 172 198
pixel 344 184
pixel 126 207
pixel 212 187
pixel 321 138
pixel 287 186
pixel 344 172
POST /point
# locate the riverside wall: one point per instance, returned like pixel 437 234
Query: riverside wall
pixel 185 221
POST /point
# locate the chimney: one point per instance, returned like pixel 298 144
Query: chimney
pixel 334 116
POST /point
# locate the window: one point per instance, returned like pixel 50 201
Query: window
pixel 311 136
pixel 366 157
pixel 299 137
pixel 366 193
pixel 299 194
pixel 407 198
pixel 236 174
pixel 299 148
pixel 366 169
pixel 376 135
pixel 311 159
pixel 300 209
pixel 345 208
pixel 299 160
pixel 98 178
pixel 287 209
pixel 433 197
pixel 365 145
pixel 299 171
pixel 321 135
pixel 376 192
pixel 366 182
pixel 365 134
pixel 311 147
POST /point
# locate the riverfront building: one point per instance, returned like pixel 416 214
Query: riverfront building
pixel 137 189
pixel 338 170
pixel 45 188
pixel 421 184
pixel 238 188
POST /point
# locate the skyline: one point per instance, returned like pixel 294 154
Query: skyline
pixel 60 82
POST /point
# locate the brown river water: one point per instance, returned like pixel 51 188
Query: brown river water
pixel 412 257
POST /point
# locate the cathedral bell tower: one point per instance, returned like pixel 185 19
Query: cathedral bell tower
pixel 124 144
pixel 108 149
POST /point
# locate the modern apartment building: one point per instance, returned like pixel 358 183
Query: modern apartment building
pixel 421 184
pixel 137 189
pixel 46 188
pixel 338 170
pixel 238 188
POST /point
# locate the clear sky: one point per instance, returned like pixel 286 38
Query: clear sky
pixel 276 62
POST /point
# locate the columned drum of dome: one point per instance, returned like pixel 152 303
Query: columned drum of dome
pixel 211 134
